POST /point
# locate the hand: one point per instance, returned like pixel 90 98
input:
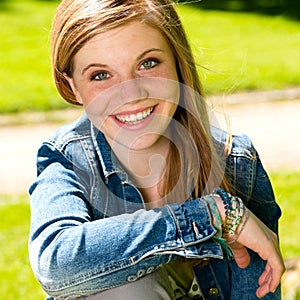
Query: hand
pixel 259 238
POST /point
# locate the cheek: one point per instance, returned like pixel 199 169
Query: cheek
pixel 169 72
pixel 89 95
pixel 99 105
pixel 172 109
pixel 171 85
pixel 173 94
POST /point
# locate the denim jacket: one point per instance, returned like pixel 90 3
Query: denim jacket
pixel 90 230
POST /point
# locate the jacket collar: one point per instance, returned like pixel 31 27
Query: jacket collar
pixel 109 162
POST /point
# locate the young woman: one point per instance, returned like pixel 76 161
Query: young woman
pixel 141 197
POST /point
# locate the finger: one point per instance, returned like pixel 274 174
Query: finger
pixel 277 269
pixel 264 287
pixel 269 281
pixel 276 278
pixel 262 291
pixel 264 275
pixel 241 257
pixel 265 279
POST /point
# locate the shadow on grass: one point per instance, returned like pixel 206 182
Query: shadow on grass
pixel 3 5
pixel 289 8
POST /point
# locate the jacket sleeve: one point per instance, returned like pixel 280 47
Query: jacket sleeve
pixel 258 194
pixel 262 200
pixel 250 181
pixel 72 255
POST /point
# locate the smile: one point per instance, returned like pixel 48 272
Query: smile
pixel 135 118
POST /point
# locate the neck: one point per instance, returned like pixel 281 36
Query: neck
pixel 146 167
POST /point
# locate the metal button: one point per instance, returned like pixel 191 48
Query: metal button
pixel 150 270
pixel 141 273
pixel 213 292
pixel 132 278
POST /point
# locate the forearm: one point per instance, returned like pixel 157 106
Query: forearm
pixel 69 251
pixel 242 229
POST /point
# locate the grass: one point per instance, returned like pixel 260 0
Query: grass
pixel 17 281
pixel 286 188
pixel 25 71
pixel 243 51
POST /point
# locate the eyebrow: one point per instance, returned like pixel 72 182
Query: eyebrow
pixel 148 51
pixel 93 65
pixel 99 65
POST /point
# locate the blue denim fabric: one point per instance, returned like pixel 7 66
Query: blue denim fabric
pixel 90 230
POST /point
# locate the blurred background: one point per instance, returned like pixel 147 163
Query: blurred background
pixel 248 54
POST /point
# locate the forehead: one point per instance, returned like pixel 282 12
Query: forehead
pixel 134 36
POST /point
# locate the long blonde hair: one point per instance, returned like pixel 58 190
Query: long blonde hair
pixel 78 21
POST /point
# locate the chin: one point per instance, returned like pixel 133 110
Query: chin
pixel 144 143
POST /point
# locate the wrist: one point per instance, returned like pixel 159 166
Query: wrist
pixel 221 208
pixel 233 213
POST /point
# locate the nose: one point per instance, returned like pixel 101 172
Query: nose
pixel 133 89
pixel 124 92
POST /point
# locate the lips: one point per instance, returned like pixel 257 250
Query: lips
pixel 134 118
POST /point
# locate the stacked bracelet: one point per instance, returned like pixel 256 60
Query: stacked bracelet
pixel 242 226
pixel 235 210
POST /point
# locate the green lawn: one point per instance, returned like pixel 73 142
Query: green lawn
pixel 18 283
pixel 242 50
pixel 286 187
pixel 25 65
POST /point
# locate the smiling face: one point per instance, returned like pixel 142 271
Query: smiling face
pixel 126 79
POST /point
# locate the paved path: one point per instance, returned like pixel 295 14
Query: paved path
pixel 274 127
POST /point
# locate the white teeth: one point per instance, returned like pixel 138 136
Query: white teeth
pixel 133 118
pixel 139 116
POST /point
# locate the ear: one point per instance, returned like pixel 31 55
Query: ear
pixel 73 87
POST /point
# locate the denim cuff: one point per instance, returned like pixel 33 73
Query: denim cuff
pixel 194 221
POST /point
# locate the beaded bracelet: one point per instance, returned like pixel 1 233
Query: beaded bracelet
pixel 242 226
pixel 234 211
pixel 233 216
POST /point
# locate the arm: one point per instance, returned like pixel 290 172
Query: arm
pixel 252 184
pixel 256 236
pixel 70 253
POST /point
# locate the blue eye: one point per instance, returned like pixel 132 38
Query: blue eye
pixel 100 76
pixel 149 64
